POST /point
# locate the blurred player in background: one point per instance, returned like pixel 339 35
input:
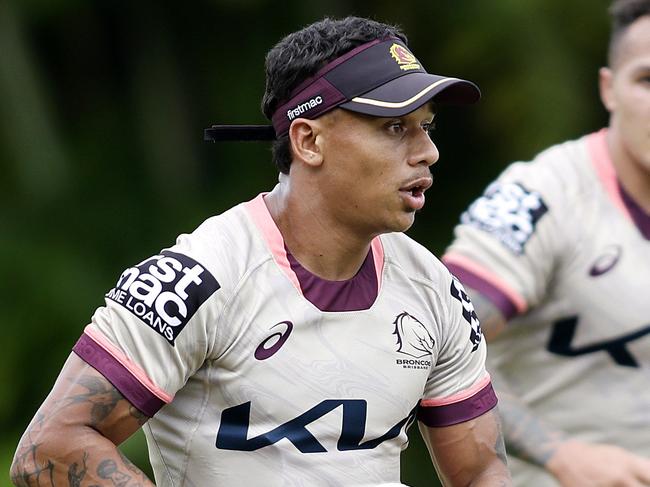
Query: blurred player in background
pixel 556 254
pixel 294 338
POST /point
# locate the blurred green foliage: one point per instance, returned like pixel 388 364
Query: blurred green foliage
pixel 102 107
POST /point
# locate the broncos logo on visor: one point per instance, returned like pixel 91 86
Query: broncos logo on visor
pixel 412 337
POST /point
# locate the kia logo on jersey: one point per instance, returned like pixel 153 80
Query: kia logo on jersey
pixel 234 434
pixel 164 291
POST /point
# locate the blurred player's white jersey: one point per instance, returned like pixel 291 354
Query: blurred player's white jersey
pixel 260 373
pixel 558 244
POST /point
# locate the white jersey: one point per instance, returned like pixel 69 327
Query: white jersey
pixel 558 245
pixel 256 372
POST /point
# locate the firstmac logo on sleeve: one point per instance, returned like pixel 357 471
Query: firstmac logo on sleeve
pixel 164 291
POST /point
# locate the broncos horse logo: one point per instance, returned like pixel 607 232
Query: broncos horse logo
pixel 412 337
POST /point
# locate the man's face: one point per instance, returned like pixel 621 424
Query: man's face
pixel 375 170
pixel 627 92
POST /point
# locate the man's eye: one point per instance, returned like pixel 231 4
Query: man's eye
pixel 429 127
pixel 396 127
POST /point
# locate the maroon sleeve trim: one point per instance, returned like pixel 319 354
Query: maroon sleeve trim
pixel 132 389
pixel 487 289
pixel 458 412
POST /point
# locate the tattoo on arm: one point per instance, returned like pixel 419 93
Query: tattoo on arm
pixel 76 474
pixel 30 471
pixel 108 470
pixel 499 445
pixel 139 416
pixel 32 467
pixel 101 394
pixel 500 448
pixel 527 436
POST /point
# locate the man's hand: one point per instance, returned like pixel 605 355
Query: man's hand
pixel 576 464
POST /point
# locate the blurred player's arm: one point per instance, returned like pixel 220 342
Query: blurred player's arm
pixel 530 438
pixel 469 453
pixel 73 436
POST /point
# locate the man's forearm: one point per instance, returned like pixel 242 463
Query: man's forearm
pixel 572 462
pixel 71 441
pixel 89 459
pixel 526 435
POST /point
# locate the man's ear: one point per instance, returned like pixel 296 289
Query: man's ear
pixel 305 143
pixel 605 81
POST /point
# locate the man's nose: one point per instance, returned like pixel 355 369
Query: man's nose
pixel 424 150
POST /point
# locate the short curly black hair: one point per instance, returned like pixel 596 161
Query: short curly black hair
pixel 301 54
pixel 624 13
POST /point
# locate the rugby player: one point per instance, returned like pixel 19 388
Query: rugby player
pixel 556 255
pixel 294 338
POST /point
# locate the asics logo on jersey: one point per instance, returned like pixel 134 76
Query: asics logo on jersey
pixel 164 291
pixel 607 261
pixel 274 342
pixel 412 339
pixel 235 421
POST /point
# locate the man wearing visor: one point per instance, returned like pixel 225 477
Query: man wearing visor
pixel 294 338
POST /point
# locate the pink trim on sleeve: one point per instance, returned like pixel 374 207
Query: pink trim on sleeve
pixel 128 364
pixel 461 396
pixel 460 260
pixel 602 162
pixel 465 409
pixel 262 218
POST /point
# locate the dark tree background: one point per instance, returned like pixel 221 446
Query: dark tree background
pixel 102 108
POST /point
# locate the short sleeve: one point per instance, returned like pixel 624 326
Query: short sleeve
pixel 507 241
pixel 156 328
pixel 459 387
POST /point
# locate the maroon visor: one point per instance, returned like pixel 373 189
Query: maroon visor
pixel 380 78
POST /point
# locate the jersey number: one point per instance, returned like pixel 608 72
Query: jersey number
pixel 233 431
pixel 564 330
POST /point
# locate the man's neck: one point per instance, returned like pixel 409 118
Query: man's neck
pixel 633 177
pixel 314 237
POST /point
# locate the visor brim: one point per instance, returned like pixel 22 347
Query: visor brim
pixel 409 92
